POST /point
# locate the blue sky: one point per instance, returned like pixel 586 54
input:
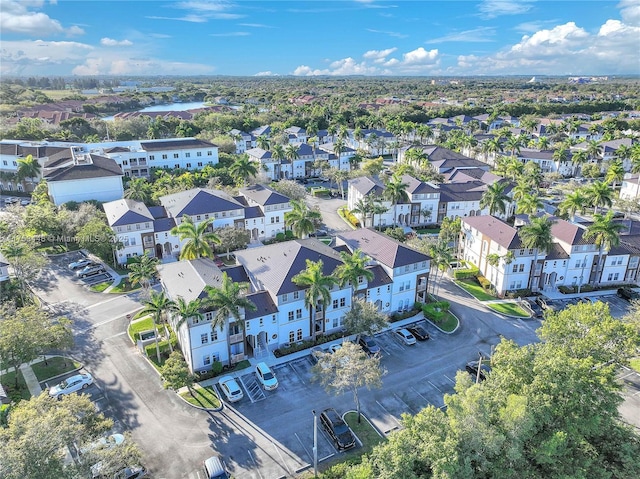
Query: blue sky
pixel 350 37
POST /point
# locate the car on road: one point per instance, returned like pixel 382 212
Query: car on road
pixel 131 472
pixel 25 202
pixel 214 469
pixel 231 388
pixel 266 377
pixel 71 385
pixel 337 429
pixel 81 263
pixel 368 344
pixel 418 332
pixel 405 336
pixel 472 368
pixel 534 307
pixel 90 270
pixel 628 294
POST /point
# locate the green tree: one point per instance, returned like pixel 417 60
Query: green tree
pixel 243 169
pixel 578 158
pixel 537 236
pixel 232 239
pixel 98 238
pixel 142 271
pixel 606 234
pixel 157 306
pixel 290 189
pixel 364 318
pixel 615 172
pixel 175 372
pixel 184 310
pixel 317 287
pixel 28 167
pixel 495 199
pixel 139 189
pixel 372 167
pixel 302 219
pixel 573 203
pixel 441 258
pixel 25 262
pixel 348 370
pixel 529 205
pixel 353 270
pixel 396 192
pixel 278 154
pixel 263 142
pixel 600 194
pixel 198 238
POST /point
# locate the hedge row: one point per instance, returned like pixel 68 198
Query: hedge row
pixel 351 218
pixel 465 273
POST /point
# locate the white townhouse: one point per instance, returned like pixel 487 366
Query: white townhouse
pixel 609 150
pixel 424 198
pixel 281 316
pixel 340 162
pixel 13 150
pixel 4 268
pixel 300 167
pixel 268 208
pixel 296 135
pixel 373 141
pixel 363 187
pixel 133 225
pixel 244 141
pixel 546 161
pixel 73 175
pixel 630 189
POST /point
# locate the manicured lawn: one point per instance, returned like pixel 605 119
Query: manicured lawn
pixel 449 323
pixel 202 397
pixel 100 287
pixel 54 367
pixel 326 241
pixel 57 248
pixel 364 431
pixel 8 381
pixel 511 309
pixel 428 231
pixel 140 325
pixel 124 287
pixel 474 289
pixel 635 364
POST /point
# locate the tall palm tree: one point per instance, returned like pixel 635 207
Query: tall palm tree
pixel 142 271
pixel 302 219
pixel 578 159
pixel 594 149
pixel 291 152
pixel 514 168
pixel 543 143
pixel 198 237
pixel 278 154
pixel 396 192
pixel 495 198
pixel 561 155
pixel 513 145
pixel 28 167
pixel 537 236
pixel 263 142
pixel 441 257
pixel 521 189
pixel 187 309
pixel 229 302
pixel 156 306
pixel 624 152
pixel 573 203
pixel 606 234
pixel 318 289
pixel 600 195
pixel 338 148
pixel 615 172
pixel 415 157
pixel 353 267
pixel 362 208
pixel 242 169
pixel 491 148
pixel 138 189
pixel 529 205
pixel 379 209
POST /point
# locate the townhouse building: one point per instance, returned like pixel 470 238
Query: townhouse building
pixel 373 141
pixel 630 188
pixel 266 208
pixel 133 225
pixel 244 141
pixel 609 151
pixel 546 161
pixel 281 316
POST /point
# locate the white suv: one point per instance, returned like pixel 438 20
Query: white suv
pixel 266 377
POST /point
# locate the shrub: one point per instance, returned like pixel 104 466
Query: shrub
pixel 403 315
pixel 288 234
pixel 320 192
pixel 518 293
pixel 216 368
pixel 280 237
pixel 484 282
pixel 436 311
pixel 465 273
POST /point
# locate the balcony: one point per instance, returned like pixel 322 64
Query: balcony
pixel 236 358
pixel 236 338
pixel 319 314
pixel 422 286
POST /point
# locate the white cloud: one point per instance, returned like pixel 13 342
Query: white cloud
pixel 230 34
pixel 119 66
pixel 419 56
pixel 110 42
pixel 496 8
pixel 17 18
pixel 391 34
pixel 33 57
pixel 480 34
pixel 630 12
pixel 379 54
pixel 266 74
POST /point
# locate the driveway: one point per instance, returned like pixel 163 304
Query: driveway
pixel 329 210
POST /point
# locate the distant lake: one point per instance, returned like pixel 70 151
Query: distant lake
pixel 169 107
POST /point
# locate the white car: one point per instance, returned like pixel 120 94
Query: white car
pixel 266 377
pixel 80 264
pixel 231 388
pixel 334 347
pixel 405 336
pixel 104 442
pixel 71 385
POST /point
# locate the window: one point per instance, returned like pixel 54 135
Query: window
pixel 620 260
pixel 124 162
pixel 199 153
pixel 334 324
pixel 175 155
pixel 214 336
pixel 209 153
pixel 247 324
pixel 198 218
pixel 299 335
pixel 615 276
pixel 610 277
pixel 285 297
pixel 577 264
pixel 176 165
pixel 188 165
pixel 515 268
pixel 273 318
pixel 406 268
pixel 296 294
pixel 164 157
pixel 335 304
pixel 292 337
pixel 206 360
pixel 360 279
pixel 298 313
pixel 290 315
pixel 521 268
pixel 342 302
pixel 187 155
pixel 152 157
pixel 261 322
pixel 204 338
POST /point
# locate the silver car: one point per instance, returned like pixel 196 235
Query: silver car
pixel 90 270
pixel 71 385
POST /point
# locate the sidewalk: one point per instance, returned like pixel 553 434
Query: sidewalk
pixel 30 379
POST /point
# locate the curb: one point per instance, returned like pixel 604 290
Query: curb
pixel 60 375
pixel 483 303
pixel 203 408
pixel 368 422
pixel 442 330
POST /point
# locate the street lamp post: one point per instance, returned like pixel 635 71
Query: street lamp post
pixel 315 444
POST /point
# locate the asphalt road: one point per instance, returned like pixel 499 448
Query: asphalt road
pixel 329 210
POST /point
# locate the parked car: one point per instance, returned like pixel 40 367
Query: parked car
pixel 405 336
pixel 90 270
pixel 25 202
pixel 231 388
pixel 334 347
pixel 472 368
pixel 81 263
pixel 103 443
pixel 546 303
pixel 535 308
pixel 337 429
pixel 131 472
pixel 313 353
pixel 266 377
pixel 71 385
pixel 214 469
pixel 628 294
pixel 369 345
pixel 418 332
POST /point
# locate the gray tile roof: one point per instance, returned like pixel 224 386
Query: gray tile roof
pixel 381 247
pixel 237 273
pixel 366 185
pixel 259 153
pixel 161 225
pixel 198 201
pixel 261 130
pixel 158 212
pixel 126 212
pixel 175 144
pixel 263 195
pixel 569 232
pixel 274 265
pixel 189 278
pixel 469 191
pixel 99 167
pixel 499 231
pixel 264 305
pixel 416 186
pixel 380 277
pixel 556 252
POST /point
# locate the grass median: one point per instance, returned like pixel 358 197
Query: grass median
pixel 474 289
pixel 204 397
pixel 510 309
pixel 54 367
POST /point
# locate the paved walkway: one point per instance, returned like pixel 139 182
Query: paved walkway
pixel 30 379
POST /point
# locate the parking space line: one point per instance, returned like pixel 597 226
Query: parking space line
pixel 405 403
pixel 282 458
pixel 297 373
pixel 439 390
pixel 419 394
pixel 303 446
pixel 254 463
pixel 451 380
pixel 399 425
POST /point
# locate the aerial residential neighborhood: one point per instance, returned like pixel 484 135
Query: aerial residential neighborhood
pixel 348 240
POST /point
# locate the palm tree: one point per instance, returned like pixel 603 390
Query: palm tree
pixel 138 189
pixel 615 172
pixel 441 257
pixel 187 309
pixel 318 290
pixel 624 152
pixel 594 150
pixel 495 199
pixel 543 143
pixel 28 167
pixel 529 205
pixel 396 192
pixel 537 236
pixel 513 145
pixel 156 306
pixel 560 155
pixel 278 154
pixel 573 203
pixel 522 189
pixel 142 271
pixel 514 168
pixel 229 302
pixel 353 267
pixel 578 159
pixel 242 169
pixel 301 219
pixel 198 237
pixel 16 252
pixel 600 195
pixel 415 157
pixel 492 147
pixel 291 152
pixel 606 234
pixel 338 148
pixel 263 142
pixel 362 208
pixel 379 209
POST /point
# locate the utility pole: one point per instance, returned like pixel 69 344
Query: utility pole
pixel 315 444
pixel 479 369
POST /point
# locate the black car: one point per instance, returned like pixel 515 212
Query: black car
pixel 628 294
pixel 535 308
pixel 337 429
pixel 546 303
pixel 472 368
pixel 419 332
pixel 369 345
